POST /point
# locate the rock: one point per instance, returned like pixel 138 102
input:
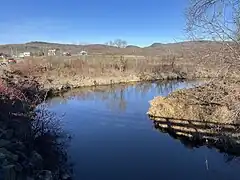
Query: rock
pixel 45 175
pixel 5 162
pixel 16 146
pixel 2 156
pixel 4 143
pixel 66 177
pixel 36 159
pixel 8 154
pixel 9 133
pixel 1 131
pixel 20 146
pixel 21 155
pixel 18 167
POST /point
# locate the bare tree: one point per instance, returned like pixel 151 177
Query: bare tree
pixel 117 43
pixel 110 43
pixel 217 20
pixel 120 43
pixel 213 19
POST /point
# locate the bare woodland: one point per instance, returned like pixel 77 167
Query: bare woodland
pixel 217 20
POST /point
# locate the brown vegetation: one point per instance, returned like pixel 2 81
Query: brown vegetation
pixel 26 133
pixel 58 72
pixel 212 102
pixel 165 61
pixel 218 100
pixel 210 111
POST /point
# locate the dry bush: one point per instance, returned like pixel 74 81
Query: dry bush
pixel 217 20
pixel 51 142
pixel 95 65
pixel 38 130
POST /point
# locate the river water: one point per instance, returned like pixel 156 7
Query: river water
pixel 113 139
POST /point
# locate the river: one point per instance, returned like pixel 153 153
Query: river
pixel 113 139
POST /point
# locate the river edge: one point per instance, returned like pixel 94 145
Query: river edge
pixel 64 87
pixel 55 90
pixel 207 113
pixel 29 144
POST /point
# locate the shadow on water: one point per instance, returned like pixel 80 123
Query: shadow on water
pixel 51 141
pixel 225 138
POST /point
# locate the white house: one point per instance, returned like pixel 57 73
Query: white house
pixel 27 54
pixel 21 55
pixel 53 52
pixel 83 53
pixel 24 54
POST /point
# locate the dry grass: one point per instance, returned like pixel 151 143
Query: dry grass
pixel 99 65
pixel 216 101
pixel 102 69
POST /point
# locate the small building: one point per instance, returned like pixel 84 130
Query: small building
pixel 66 54
pixel 53 52
pixel 27 54
pixel 21 55
pixel 83 53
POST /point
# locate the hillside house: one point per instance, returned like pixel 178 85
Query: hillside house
pixel 27 54
pixel 66 54
pixel 83 53
pixel 21 55
pixel 53 52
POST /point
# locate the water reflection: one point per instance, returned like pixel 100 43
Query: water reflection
pixel 51 141
pixel 116 97
pixel 114 139
pixel 229 149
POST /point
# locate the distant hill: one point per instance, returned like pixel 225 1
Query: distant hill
pixel 152 50
pixel 132 46
pixel 156 45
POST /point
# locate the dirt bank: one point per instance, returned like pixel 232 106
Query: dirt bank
pixel 210 111
pixel 62 84
pixel 216 101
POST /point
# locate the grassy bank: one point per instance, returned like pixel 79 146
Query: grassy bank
pixel 215 101
pixel 61 73
pixel 208 113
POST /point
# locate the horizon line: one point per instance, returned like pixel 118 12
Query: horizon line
pixel 86 44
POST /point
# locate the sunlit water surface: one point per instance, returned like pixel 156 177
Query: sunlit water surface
pixel 113 139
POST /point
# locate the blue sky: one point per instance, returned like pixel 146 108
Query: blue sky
pixel 139 22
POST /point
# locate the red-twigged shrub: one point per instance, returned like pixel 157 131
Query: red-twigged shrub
pixel 10 92
pixel 18 87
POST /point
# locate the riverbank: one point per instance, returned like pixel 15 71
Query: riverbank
pixel 28 124
pixel 25 133
pixel 60 74
pixel 209 111
pixel 212 102
pixel 39 81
